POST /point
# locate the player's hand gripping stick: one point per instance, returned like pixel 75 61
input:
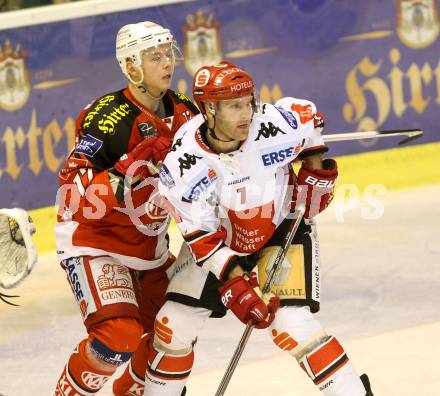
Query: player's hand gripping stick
pixel 241 295
pixel 274 272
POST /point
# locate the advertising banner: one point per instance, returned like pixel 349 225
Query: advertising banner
pixel 366 65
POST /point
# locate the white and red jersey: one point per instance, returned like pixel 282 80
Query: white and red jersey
pixel 230 204
pixel 101 224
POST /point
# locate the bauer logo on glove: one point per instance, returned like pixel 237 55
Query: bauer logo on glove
pixel 315 187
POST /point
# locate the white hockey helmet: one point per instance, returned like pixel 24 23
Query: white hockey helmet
pixel 132 39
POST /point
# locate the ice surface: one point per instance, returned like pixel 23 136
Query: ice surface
pixel 381 298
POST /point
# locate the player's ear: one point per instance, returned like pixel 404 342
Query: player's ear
pixel 132 70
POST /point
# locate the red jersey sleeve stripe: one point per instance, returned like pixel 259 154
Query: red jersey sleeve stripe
pixel 205 246
pixel 196 235
pixel 209 252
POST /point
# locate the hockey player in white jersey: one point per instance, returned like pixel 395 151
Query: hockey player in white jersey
pixel 230 186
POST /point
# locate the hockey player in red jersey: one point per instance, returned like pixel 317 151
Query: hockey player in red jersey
pixel 230 186
pixel 111 235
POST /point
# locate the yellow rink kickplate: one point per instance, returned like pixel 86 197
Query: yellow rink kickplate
pixel 397 168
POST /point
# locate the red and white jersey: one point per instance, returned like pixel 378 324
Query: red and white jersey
pixel 132 230
pixel 230 204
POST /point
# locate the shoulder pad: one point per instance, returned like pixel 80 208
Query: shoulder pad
pixel 187 162
pixel 108 114
pixel 287 115
pixel 187 131
pixel 179 97
pixel 184 151
pixel 304 108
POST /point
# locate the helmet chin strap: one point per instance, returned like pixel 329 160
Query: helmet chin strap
pixel 214 136
pixel 143 88
pixel 212 130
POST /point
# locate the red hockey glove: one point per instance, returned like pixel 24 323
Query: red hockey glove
pixel 315 187
pixel 318 121
pixel 153 149
pixel 241 296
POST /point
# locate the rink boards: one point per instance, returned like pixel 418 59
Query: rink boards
pixel 400 168
pixel 380 298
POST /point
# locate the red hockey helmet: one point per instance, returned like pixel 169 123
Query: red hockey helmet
pixel 221 82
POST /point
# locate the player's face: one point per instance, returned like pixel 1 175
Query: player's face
pixel 234 116
pixel 158 67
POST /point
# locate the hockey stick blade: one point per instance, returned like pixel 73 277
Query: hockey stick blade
pixel 273 275
pixel 4 298
pixel 410 139
pixel 410 134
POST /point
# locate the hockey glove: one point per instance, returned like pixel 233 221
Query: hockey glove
pixel 315 187
pixel 153 150
pixel 318 121
pixel 242 297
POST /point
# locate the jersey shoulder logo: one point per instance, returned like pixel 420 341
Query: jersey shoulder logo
pixel 106 113
pixel 305 112
pixel 88 145
pixel 165 177
pixel 182 97
pixel 288 116
pixel 186 162
pixel 147 129
pixel 268 130
pixel 95 109
pixel 108 122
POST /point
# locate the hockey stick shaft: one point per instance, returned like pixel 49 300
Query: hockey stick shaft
pixel 234 360
pixel 273 274
pixel 276 268
pixel 410 134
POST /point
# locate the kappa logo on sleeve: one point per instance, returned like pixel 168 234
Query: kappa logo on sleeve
pixel 88 145
pixel 288 116
pixel 268 130
pixel 186 162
